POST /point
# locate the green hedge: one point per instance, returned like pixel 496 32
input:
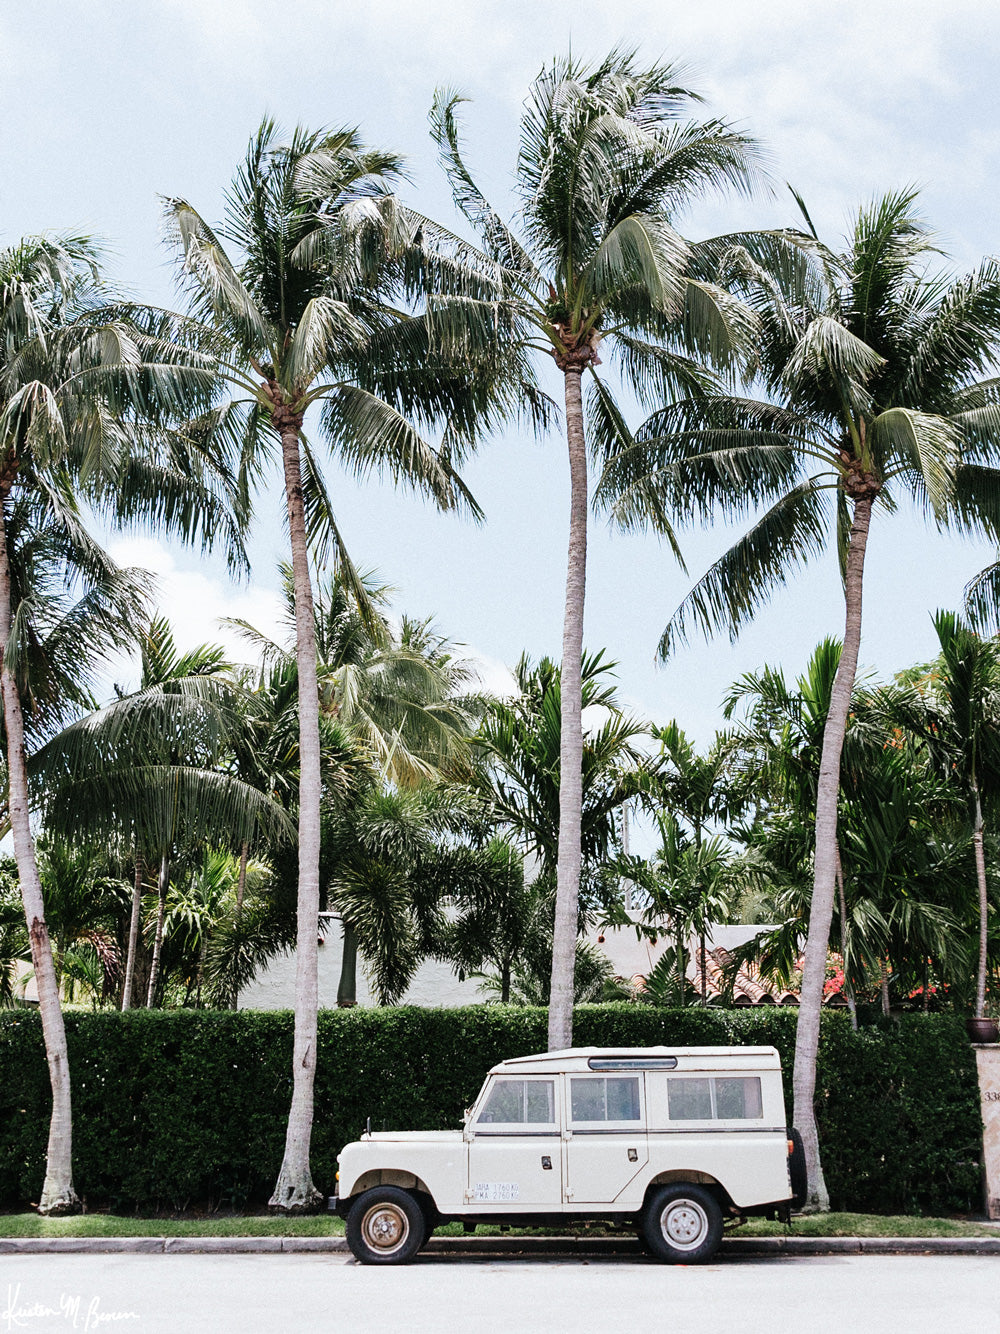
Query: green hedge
pixel 173 1108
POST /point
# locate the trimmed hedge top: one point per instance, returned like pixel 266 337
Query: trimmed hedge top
pixel 179 1107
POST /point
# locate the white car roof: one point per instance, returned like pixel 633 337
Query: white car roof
pixel 575 1059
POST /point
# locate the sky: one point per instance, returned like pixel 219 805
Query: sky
pixel 106 106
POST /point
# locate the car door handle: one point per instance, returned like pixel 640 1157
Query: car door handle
pixel 546 1163
pixel 633 1155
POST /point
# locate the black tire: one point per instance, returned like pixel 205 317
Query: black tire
pixel 386 1226
pixel 797 1170
pixel 682 1224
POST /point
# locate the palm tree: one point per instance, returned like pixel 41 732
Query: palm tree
pixel 901 853
pixel 202 900
pixel 874 370
pixel 697 789
pixel 82 899
pixel 161 664
pixel 955 712
pixel 151 771
pixel 605 164
pixel 905 860
pixel 689 882
pixel 498 913
pixel 393 859
pixel 401 692
pixel 519 776
pixel 89 393
pixel 398 697
pixel 779 743
pixel 301 318
pixel 50 423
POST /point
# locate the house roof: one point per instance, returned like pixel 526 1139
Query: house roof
pixel 749 988
pixel 634 958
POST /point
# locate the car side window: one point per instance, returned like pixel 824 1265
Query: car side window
pixel 738 1099
pixel 722 1098
pixel 614 1099
pixel 519 1102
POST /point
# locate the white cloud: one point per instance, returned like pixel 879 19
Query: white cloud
pixel 195 601
pixel 495 677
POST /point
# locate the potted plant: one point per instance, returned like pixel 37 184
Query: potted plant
pixel 981 1028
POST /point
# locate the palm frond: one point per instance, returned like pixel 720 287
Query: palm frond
pixel 828 348
pixel 926 446
pixel 325 537
pixel 742 580
pixel 370 435
pixel 501 243
pixel 209 266
pixel 640 250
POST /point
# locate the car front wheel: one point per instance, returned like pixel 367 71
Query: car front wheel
pixel 385 1226
pixel 682 1224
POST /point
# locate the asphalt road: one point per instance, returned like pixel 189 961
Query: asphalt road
pixel 219 1294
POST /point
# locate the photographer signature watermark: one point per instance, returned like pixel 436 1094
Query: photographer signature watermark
pixel 78 1312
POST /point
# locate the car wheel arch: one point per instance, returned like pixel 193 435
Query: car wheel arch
pixel 691 1177
pixel 391 1176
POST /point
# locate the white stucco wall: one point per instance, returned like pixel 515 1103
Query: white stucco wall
pixel 25 987
pixel 435 983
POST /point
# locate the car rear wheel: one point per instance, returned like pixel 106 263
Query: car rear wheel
pixel 682 1224
pixel 386 1226
pixel 797 1170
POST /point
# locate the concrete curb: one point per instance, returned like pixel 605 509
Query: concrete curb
pixel 793 1245
pixel 520 1247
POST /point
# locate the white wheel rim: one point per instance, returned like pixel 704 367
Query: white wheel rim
pixel 385 1228
pixel 684 1224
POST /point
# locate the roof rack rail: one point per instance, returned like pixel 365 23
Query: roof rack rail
pixel 632 1062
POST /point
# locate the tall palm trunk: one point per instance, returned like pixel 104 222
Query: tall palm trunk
pixel 845 944
pixel 294 1190
pixel 704 972
pixel 241 883
pixel 571 738
pixel 58 1195
pixel 883 987
pixel 984 904
pixel 347 990
pixel 133 934
pixel 241 889
pixel 825 866
pixel 162 888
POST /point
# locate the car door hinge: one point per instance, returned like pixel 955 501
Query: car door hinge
pixel 470 1195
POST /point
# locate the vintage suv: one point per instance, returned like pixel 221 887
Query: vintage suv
pixel 670 1141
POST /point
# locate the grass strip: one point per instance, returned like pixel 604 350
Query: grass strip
pixel 326 1225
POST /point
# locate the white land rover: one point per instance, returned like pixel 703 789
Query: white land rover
pixel 669 1140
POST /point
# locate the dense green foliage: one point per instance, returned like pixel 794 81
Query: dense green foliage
pixel 177 1107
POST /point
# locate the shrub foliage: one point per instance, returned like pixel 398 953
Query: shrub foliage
pixel 177 1108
